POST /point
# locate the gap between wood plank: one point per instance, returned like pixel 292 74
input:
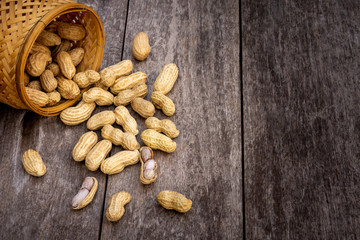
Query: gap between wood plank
pixel 107 176
pixel 242 125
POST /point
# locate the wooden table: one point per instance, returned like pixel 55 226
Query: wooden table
pixel 267 102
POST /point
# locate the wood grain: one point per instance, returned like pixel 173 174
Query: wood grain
pixel 202 38
pixel 40 208
pixel 301 118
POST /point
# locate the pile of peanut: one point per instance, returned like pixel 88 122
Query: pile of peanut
pixel 51 65
pixel 113 85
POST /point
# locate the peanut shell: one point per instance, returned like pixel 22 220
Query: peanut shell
pixel 97 154
pixel 33 163
pixel 158 141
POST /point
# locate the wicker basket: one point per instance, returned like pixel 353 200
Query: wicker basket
pixel 24 20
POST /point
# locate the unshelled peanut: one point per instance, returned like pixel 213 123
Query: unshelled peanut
pixel 166 78
pixel 48 81
pixel 66 65
pixel 86 142
pixel 148 166
pixel 141 47
pixel 163 102
pixel 158 141
pixel 35 84
pixel 174 201
pixel 64 46
pixel 124 119
pixel 85 194
pixel 97 154
pixel 48 39
pixel 122 68
pixel 54 98
pixel 100 119
pixel 37 47
pixel 165 126
pixel 71 31
pixel 36 63
pixel 52 27
pixel 54 67
pixel 117 163
pixel 33 163
pixel 116 208
pixel 127 82
pixel 85 79
pixel 77 55
pixel 78 114
pixel 143 107
pixel 107 77
pixel 67 88
pixel 117 137
pixel 126 96
pixel 99 96
pixel 37 97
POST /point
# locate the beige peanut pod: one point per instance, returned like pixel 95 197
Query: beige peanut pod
pixel 99 96
pixel 141 47
pixel 116 208
pixel 122 68
pixel 78 114
pixel 64 46
pixel 77 55
pixel 52 27
pixel 143 107
pixel 35 84
pixel 126 96
pixel 38 47
pixel 66 65
pixel 174 201
pixel 165 126
pixel 117 137
pixel 158 141
pixel 166 78
pixel 54 68
pixel 146 155
pixel 37 97
pixel 26 79
pixel 84 145
pixel 81 80
pixel 33 163
pixel 67 88
pixel 48 39
pixel 92 75
pixel 54 98
pixel 124 119
pixel 71 31
pixel 36 63
pixel 100 119
pixel 117 163
pixel 85 194
pixel 164 103
pixel 127 82
pixel 107 77
pixel 100 85
pixel 97 154
pixel 48 81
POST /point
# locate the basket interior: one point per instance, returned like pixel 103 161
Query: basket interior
pixel 93 44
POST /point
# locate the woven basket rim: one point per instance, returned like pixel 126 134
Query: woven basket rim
pixel 28 43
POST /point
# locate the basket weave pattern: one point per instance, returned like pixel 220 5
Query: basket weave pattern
pixel 21 22
pixel 19 17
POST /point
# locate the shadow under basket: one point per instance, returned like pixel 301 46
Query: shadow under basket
pixel 24 22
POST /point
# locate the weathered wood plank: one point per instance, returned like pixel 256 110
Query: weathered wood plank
pixel 301 118
pixel 202 38
pixel 40 208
